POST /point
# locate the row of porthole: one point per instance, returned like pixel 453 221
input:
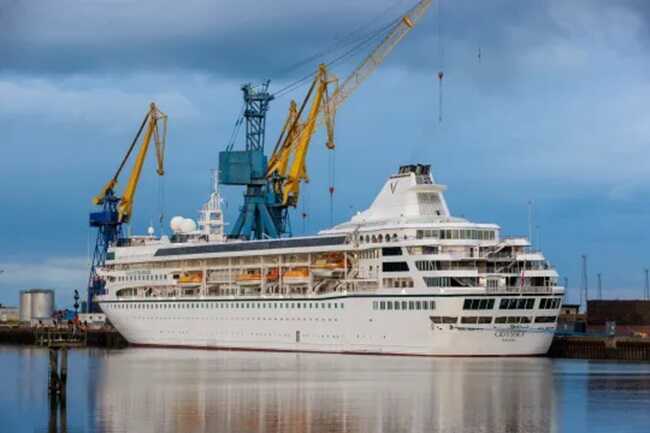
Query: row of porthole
pixel 225 305
pixel 145 277
pixel 288 319
pixel 380 238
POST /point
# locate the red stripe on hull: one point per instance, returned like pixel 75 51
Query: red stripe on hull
pixel 344 352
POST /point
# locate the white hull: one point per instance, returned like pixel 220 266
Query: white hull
pixel 410 279
pixel 352 327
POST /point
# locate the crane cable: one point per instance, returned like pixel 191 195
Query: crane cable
pixel 340 42
pixel 332 179
pixel 361 43
pixel 441 53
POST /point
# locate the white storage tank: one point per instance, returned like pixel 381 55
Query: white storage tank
pixel 36 304
pixel 42 304
pixel 25 309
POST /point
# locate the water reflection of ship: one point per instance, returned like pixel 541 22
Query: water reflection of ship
pixel 157 390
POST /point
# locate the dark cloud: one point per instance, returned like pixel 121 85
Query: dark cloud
pixel 250 39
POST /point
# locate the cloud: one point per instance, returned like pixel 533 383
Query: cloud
pixel 63 274
pixel 92 102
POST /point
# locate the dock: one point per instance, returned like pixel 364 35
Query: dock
pixel 104 337
pixel 600 347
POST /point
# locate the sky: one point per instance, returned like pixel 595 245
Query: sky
pixel 542 101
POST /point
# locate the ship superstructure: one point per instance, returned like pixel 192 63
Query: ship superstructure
pixel 402 277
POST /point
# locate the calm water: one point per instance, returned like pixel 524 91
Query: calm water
pixel 159 390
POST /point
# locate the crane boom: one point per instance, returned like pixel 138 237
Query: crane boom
pixel 287 166
pixel 116 210
pixel 125 208
pixel 374 59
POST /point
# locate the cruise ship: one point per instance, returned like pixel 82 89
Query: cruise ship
pixel 403 277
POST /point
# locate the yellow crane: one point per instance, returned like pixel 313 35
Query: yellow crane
pixel 287 167
pixel 151 120
pixel 117 211
pixel 293 144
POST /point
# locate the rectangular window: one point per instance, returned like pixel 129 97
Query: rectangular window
pixel 418 305
pixel 545 319
pixel 435 319
pixel 485 319
pixel 382 305
pixel 391 251
pixel 469 320
pixel 530 303
pixel 394 267
pixel 404 305
pixel 501 319
pixel 374 305
pixel 449 320
pixel 389 304
pixel 397 305
pixel 411 305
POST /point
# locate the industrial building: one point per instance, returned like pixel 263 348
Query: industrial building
pixel 631 317
pixel 8 314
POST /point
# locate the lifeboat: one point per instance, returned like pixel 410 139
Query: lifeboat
pixel 190 277
pixel 296 276
pixel 249 279
pixel 273 275
pixel 329 265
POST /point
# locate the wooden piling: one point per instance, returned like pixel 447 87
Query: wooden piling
pixel 54 374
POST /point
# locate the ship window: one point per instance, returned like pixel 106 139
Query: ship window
pixel 397 305
pixel 404 305
pixel 449 320
pixel 435 319
pixel 469 320
pixel 341 304
pixel 382 305
pixel 501 319
pixel 374 305
pixel 395 267
pixel 411 305
pixel 485 319
pixel 389 305
pixel 418 305
pixel 545 319
pixel 391 251
pixel 525 319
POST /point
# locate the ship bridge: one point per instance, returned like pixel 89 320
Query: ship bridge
pixel 409 196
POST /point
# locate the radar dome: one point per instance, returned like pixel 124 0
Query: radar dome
pixel 176 223
pixel 188 225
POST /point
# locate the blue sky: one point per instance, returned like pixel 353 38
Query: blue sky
pixel 555 111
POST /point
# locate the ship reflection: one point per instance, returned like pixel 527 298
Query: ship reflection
pixel 157 390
